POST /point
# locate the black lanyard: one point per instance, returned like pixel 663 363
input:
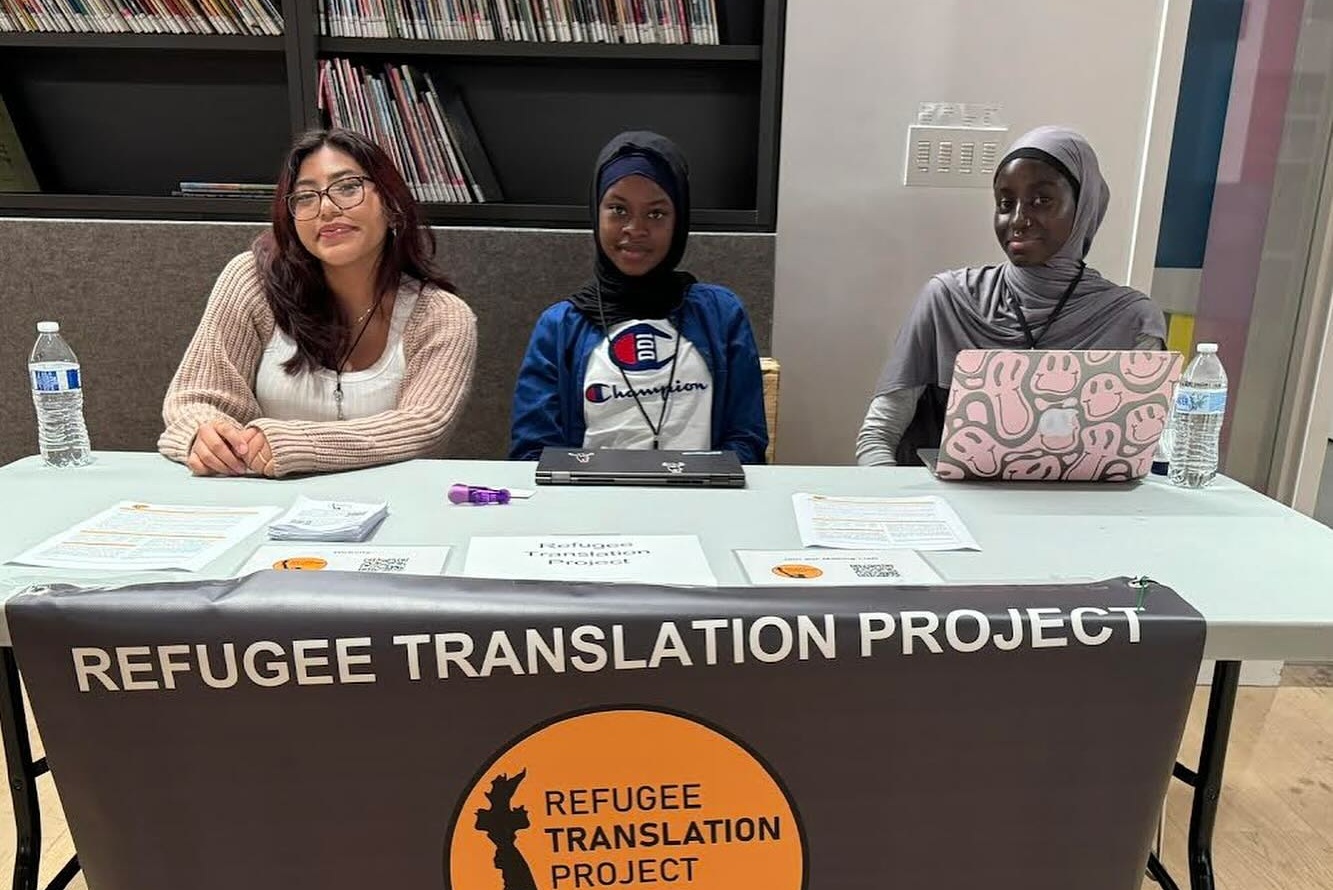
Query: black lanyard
pixel 666 391
pixel 1035 339
pixel 338 371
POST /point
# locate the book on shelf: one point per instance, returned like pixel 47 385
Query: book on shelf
pixel 427 131
pixel 248 17
pixel 225 190
pixel 545 21
pixel 15 172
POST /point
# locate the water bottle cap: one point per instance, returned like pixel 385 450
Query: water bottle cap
pixel 48 327
pixel 1208 348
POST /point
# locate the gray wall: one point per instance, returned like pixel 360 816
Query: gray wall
pixel 855 246
pixel 128 295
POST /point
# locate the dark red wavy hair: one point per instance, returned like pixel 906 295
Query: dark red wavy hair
pixel 294 285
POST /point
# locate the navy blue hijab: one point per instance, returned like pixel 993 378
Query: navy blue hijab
pixel 611 293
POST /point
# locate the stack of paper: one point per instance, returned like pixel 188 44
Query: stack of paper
pixel 311 520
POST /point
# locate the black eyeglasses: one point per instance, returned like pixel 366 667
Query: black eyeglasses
pixel 345 194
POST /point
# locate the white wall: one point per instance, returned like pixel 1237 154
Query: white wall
pixel 855 246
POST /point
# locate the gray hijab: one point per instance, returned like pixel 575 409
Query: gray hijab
pixel 972 308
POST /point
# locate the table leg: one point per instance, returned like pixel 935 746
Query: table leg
pixel 1212 760
pixel 22 775
pixel 1158 873
pixel 1207 782
pixel 67 874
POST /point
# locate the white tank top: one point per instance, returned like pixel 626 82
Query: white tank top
pixel 309 395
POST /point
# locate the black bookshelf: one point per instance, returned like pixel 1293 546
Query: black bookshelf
pixel 187 42
pixel 258 209
pixel 497 49
pixel 113 122
pixel 134 207
pixel 511 214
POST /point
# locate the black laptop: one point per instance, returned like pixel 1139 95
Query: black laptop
pixel 607 466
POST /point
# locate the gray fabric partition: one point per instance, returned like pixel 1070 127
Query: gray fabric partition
pixel 129 294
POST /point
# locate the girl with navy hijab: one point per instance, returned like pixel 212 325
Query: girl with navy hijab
pixel 642 356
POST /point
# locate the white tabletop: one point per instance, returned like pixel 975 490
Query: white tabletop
pixel 1261 574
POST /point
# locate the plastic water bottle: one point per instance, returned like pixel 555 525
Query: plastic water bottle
pixel 1201 403
pixel 57 394
pixel 1161 459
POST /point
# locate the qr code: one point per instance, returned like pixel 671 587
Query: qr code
pixel 383 564
pixel 874 570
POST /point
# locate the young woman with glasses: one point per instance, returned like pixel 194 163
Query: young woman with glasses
pixel 333 343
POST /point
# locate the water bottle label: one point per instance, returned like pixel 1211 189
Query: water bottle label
pixel 55 380
pixel 1190 400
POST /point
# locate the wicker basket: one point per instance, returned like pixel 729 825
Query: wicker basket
pixel 771 370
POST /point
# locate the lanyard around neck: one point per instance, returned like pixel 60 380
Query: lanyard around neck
pixel 666 391
pixel 1035 339
pixel 338 371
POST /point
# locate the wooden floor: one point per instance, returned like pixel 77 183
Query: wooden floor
pixel 1275 824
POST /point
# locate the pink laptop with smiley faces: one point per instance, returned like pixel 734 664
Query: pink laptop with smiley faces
pixel 1056 415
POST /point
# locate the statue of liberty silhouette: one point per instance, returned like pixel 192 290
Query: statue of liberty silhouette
pixel 502 822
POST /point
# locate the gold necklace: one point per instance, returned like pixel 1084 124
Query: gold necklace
pixel 338 385
pixel 363 316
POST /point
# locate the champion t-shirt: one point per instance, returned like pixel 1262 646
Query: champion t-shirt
pixel 643 349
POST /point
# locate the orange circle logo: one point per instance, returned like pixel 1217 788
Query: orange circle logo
pixel 301 564
pixel 625 798
pixel 797 570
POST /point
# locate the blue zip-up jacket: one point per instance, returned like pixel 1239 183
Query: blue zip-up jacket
pixel 548 399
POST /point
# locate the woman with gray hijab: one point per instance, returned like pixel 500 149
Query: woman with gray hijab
pixel 1050 200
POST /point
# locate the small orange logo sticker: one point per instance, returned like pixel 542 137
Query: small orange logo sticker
pixel 797 570
pixel 301 564
pixel 625 798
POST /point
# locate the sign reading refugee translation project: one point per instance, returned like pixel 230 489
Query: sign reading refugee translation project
pixel 346 731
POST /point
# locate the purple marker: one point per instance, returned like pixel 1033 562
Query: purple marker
pixel 476 494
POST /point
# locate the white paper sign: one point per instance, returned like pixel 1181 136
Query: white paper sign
pixel 348 558
pixel 135 536
pixel 843 568
pixel 636 559
pixel 923 523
